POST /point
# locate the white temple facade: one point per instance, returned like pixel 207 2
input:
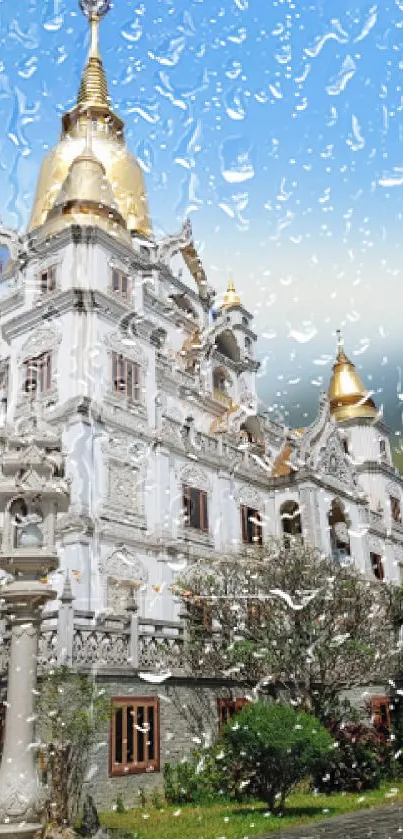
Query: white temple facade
pixel 117 340
pixel 120 341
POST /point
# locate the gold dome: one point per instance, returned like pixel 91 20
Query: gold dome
pixel 122 169
pixel 348 397
pixel 231 298
pixel 86 197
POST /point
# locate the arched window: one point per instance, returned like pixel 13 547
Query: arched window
pixel 221 380
pixel 339 535
pixel 290 520
pixel 227 345
pixel 18 512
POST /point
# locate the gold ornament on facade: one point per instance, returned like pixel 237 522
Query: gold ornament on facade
pixel 231 298
pixel 121 168
pixel 348 396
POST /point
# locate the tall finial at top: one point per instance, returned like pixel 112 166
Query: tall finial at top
pixel 95 8
pixel 93 88
pixel 341 356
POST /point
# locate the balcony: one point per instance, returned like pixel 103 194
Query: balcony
pixel 222 397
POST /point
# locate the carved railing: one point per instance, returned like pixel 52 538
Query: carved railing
pixel 122 642
pixel 160 645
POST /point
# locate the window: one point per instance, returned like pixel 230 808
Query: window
pixel 382 449
pixel 38 374
pixel 377 566
pixel 126 377
pixel 290 521
pixel 380 711
pixel 248 344
pixel 3 382
pixel 195 508
pixel 251 521
pixel 227 708
pixel 2 725
pixel 120 283
pixel 345 445
pixel 48 279
pixel 134 741
pixel 395 510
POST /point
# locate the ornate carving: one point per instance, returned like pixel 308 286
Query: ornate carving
pixel 194 476
pixel 123 565
pixel 47 649
pixel 120 447
pixel 171 245
pixel 100 648
pixel 46 339
pixel 129 347
pixel 160 653
pixel 333 462
pixel 125 488
pixel 250 496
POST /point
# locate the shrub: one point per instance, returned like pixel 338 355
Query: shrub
pixel 199 779
pixel 361 759
pixel 269 748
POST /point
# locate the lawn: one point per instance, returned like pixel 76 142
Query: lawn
pixel 237 821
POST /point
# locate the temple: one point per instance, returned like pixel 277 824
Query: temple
pixel 119 342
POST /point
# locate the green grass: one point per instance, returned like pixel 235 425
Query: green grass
pixel 237 821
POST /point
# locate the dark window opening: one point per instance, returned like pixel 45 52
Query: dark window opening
pixel 395 510
pixel 38 374
pixel 195 508
pixel 48 280
pixel 120 283
pixel 227 708
pixel 377 566
pixel 134 737
pixel 252 531
pixel 126 378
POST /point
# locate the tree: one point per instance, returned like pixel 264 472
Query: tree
pixel 271 747
pixel 288 618
pixel 71 712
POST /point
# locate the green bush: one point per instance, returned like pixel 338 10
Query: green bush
pixel 269 748
pixel 199 779
pixel 363 757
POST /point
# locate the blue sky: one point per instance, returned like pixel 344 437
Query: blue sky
pixel 277 126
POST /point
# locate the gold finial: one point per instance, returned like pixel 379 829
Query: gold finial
pixel 93 88
pixel 348 397
pixel 231 298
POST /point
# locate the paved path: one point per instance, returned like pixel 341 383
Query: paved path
pixel 376 823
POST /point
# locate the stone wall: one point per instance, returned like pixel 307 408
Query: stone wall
pixel 188 719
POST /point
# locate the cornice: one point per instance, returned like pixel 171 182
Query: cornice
pixel 39 245
pixel 364 422
pixel 81 300
pixel 380 468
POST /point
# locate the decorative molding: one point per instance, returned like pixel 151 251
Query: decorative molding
pixel 125 488
pixel 127 347
pixel 194 476
pixel 249 496
pixel 46 339
pixel 122 565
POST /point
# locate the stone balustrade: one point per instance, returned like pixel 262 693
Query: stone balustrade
pixel 110 643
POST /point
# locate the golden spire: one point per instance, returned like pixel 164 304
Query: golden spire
pixel 94 88
pixel 86 193
pixel 122 169
pixel 231 298
pixel 348 397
